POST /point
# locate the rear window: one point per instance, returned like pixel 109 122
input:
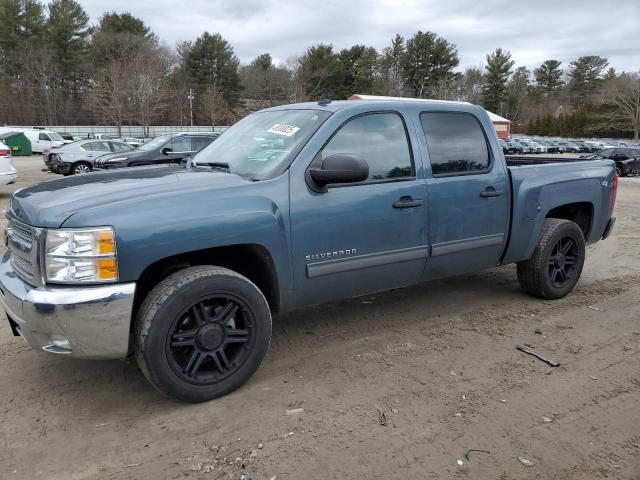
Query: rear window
pixel 456 143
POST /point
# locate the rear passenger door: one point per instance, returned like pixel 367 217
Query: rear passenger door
pixel 468 195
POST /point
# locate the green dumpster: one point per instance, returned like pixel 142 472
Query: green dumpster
pixel 17 142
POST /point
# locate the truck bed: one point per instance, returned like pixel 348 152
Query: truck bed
pixel 520 160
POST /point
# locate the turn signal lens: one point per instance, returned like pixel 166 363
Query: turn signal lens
pixel 107 269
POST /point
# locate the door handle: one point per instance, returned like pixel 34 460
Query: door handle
pixel 491 192
pixel 407 202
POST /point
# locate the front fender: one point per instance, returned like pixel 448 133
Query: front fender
pixel 153 228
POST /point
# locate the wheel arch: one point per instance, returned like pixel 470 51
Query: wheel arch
pixel 580 213
pixel 253 261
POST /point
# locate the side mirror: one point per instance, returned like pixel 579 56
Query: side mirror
pixel 166 150
pixel 340 168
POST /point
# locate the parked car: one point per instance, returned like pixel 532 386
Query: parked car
pixel 167 148
pixel 292 206
pixel 569 147
pixel 8 173
pixel 532 146
pixel 522 147
pixel 41 140
pixel 101 136
pixel 627 159
pixel 134 142
pixel 508 148
pixel 79 157
pixel 69 137
pixel 550 146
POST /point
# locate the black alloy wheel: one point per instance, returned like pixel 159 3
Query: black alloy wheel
pixel 563 261
pixel 211 339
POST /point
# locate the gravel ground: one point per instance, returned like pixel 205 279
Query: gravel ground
pixel 438 360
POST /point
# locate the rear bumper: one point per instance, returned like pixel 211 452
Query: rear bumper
pixel 84 322
pixel 7 178
pixel 609 228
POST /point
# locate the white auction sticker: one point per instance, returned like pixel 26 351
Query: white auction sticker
pixel 282 129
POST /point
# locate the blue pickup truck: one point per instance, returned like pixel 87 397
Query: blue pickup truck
pixel 183 266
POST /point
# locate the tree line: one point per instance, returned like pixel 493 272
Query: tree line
pixel 57 68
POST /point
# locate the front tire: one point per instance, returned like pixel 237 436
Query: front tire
pixel 556 264
pixel 201 333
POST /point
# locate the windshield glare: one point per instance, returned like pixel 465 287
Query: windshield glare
pixel 56 137
pixel 259 144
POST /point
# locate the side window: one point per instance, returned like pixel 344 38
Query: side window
pixel 99 147
pixel 609 153
pixel 180 144
pixel 198 143
pixel 43 136
pixel 378 138
pixel 456 143
pixel 120 147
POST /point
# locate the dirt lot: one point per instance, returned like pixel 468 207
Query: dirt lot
pixel 438 360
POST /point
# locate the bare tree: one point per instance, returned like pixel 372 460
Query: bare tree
pixel 149 74
pixel 214 105
pixel 623 94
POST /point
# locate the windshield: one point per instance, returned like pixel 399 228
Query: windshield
pixel 56 137
pixel 259 144
pixel 155 143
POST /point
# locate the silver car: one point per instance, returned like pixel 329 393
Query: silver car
pixel 78 157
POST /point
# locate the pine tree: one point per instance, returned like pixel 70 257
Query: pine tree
pixel 68 35
pixel 391 67
pixel 549 77
pixel 499 65
pixel 586 76
pixel 322 72
pixel 427 61
pixel 211 63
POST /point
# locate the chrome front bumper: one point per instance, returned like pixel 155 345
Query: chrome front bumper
pixel 83 322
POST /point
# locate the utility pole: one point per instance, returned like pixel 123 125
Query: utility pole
pixel 191 96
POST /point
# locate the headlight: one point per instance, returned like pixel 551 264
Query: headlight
pixel 85 255
pixel 114 160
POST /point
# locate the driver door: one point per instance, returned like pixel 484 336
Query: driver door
pixel 359 238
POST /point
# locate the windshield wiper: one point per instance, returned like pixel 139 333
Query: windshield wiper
pixel 222 166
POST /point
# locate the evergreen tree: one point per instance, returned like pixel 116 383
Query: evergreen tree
pixel 68 34
pixel 211 63
pixel 391 67
pixel 112 22
pixel 321 72
pixel 427 61
pixel 118 36
pixel 359 65
pixel 499 65
pixel 22 27
pixel 549 77
pixel 586 76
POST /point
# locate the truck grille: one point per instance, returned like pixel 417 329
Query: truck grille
pixel 23 267
pixel 22 242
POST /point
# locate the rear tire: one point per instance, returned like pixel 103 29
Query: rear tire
pixel 201 333
pixel 556 264
pixel 80 168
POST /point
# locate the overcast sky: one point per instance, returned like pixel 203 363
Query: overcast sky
pixel 533 31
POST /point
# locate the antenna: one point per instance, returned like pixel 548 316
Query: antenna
pixel 324 100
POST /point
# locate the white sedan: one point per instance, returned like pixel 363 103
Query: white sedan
pixel 8 173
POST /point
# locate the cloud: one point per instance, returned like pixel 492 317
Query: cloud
pixel 532 31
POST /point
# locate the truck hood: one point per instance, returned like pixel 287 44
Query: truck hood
pixel 49 204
